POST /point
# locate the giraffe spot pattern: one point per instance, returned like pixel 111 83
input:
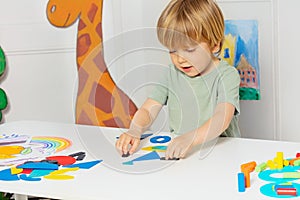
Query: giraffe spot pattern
pixel 101 98
pixel 81 25
pixel 84 119
pixel 99 62
pixel 92 12
pixel 114 122
pixel 84 43
pixel 83 77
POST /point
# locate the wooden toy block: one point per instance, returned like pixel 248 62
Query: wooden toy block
pixel 247 179
pixel 286 163
pixel 297 163
pixel 287 191
pixel 279 186
pixel 279 160
pixel 291 175
pixel 293 160
pixel 261 167
pixel 271 164
pixel 241 182
pixel 248 167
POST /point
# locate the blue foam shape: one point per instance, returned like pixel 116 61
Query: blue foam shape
pixel 283 186
pixel 266 175
pixel 128 163
pixel 85 165
pixel 40 172
pixel 153 155
pixel 146 135
pixel 5 175
pixel 143 136
pixel 38 165
pixel 241 182
pixel 28 178
pixel 160 139
pixel 268 190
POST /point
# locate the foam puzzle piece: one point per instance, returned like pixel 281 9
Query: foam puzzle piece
pixel 62 171
pixel 5 175
pixel 155 148
pixel 62 160
pixel 85 165
pixel 160 139
pixel 59 177
pixel 38 165
pixel 15 170
pixel 150 156
pixel 40 173
pixel 28 178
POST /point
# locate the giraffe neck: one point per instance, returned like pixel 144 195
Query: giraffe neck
pixel 89 31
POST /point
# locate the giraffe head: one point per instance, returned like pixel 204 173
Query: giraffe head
pixel 63 13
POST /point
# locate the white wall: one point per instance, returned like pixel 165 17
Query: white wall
pixel 40 79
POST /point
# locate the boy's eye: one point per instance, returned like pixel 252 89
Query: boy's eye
pixel 190 50
pixel 172 51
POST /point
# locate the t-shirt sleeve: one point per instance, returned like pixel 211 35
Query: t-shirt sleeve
pixel 228 90
pixel 160 89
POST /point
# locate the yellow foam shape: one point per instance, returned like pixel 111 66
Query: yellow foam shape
pixel 151 149
pixel 15 170
pixel 10 150
pixel 59 177
pixel 62 171
pixel 6 156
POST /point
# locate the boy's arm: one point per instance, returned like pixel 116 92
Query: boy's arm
pixel 141 121
pixel 211 129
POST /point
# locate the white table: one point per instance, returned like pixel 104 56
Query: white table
pixel 208 173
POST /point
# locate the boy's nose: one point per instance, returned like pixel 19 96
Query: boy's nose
pixel 180 59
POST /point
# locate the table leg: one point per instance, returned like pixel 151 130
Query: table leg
pixel 20 197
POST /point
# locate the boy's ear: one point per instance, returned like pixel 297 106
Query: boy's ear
pixel 216 48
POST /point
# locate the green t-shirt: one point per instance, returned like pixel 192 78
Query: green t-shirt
pixel 191 101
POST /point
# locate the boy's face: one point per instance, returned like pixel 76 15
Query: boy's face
pixel 195 60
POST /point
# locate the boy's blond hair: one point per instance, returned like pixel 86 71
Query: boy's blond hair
pixel 184 23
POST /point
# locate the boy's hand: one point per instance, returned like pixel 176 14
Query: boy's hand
pixel 180 146
pixel 127 144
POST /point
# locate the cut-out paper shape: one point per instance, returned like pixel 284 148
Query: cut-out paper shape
pixel 65 170
pixel 12 139
pixel 155 148
pixel 60 174
pixel 54 143
pixel 79 155
pixel 27 171
pixel 143 136
pixel 160 139
pixel 62 160
pixel 26 151
pixel 150 156
pixel 28 178
pixel 59 177
pixel 85 165
pixel 125 155
pixel 15 170
pixel 36 148
pixel 11 150
pixel 164 158
pixel 40 172
pixel 5 175
pixel 38 165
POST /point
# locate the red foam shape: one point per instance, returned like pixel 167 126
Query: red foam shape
pixel 63 160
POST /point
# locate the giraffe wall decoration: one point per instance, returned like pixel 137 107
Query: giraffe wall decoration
pixel 99 100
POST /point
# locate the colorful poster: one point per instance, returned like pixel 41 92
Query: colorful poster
pixel 240 49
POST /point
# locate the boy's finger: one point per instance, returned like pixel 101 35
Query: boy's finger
pixel 134 145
